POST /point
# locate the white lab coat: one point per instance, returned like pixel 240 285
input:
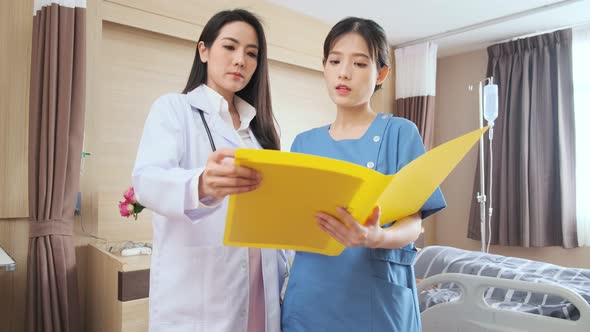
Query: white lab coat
pixel 196 283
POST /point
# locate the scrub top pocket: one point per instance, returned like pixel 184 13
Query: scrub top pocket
pixel 393 265
pixel 393 306
pixel 393 291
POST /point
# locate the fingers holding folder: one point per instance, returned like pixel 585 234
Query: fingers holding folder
pixel 222 177
pixel 349 231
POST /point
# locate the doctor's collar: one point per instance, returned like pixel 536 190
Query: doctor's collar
pixel 207 99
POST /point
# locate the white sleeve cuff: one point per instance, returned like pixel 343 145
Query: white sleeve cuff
pixel 193 199
pixel 192 196
pixel 209 202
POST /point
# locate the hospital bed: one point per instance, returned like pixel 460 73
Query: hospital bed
pixel 464 290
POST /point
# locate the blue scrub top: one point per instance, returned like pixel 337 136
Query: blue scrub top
pixel 362 289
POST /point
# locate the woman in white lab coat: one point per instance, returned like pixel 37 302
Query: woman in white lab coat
pixel 196 283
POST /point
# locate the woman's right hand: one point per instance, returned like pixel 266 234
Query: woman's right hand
pixel 222 177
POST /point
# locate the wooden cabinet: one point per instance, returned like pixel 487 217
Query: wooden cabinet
pixel 117 291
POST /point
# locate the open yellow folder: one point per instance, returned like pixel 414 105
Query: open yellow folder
pixel 295 186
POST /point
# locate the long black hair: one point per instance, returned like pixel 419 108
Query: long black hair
pixel 257 91
pixel 370 31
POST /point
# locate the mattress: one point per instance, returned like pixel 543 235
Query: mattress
pixel 435 260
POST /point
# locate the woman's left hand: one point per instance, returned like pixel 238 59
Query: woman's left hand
pixel 350 232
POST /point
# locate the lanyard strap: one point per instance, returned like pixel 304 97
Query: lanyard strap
pixel 207 129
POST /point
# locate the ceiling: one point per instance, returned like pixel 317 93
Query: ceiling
pixel 406 21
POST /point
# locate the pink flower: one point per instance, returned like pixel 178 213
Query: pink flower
pixel 124 210
pixel 130 195
pixel 130 206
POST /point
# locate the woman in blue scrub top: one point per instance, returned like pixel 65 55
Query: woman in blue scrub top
pixel 371 285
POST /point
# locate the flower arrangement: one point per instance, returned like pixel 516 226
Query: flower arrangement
pixel 130 206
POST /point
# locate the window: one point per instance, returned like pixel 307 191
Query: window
pixel 581 71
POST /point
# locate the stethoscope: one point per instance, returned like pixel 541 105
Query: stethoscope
pixel 207 129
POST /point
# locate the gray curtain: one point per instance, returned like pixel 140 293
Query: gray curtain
pixel 56 124
pixel 419 110
pixel 534 162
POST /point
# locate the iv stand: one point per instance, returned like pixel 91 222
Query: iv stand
pixel 481 196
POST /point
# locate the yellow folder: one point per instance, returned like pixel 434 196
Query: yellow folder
pixel 295 186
